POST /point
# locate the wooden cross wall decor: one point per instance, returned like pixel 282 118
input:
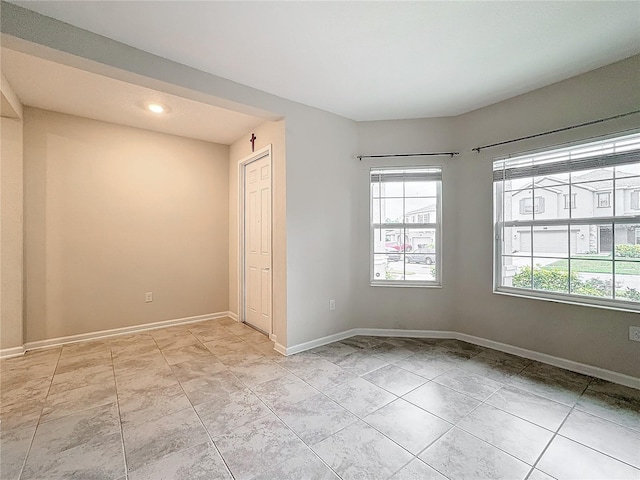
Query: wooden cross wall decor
pixel 253 142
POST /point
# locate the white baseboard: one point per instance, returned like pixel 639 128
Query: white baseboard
pixel 11 352
pixel 318 342
pixel 273 337
pixel 578 367
pixel 233 316
pixel 395 332
pixel 122 331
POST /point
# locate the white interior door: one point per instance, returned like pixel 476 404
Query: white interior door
pixel 257 244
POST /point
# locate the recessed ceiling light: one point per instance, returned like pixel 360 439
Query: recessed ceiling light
pixel 155 107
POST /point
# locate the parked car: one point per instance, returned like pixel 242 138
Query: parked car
pixel 421 255
pixel 398 247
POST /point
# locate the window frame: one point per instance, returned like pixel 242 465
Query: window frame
pixel 635 200
pixel 613 220
pixel 437 226
pixel 608 199
pixel 536 206
pixel 570 201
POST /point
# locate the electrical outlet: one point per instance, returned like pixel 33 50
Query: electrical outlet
pixel 332 304
pixel 148 297
pixel 634 334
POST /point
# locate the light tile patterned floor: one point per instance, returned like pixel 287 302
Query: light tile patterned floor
pixel 213 400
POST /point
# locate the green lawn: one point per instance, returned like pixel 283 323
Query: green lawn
pixel 595 266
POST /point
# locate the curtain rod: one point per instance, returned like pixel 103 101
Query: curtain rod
pixel 441 154
pixel 594 122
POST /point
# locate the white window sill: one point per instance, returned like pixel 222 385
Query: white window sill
pixel 405 285
pixel 573 300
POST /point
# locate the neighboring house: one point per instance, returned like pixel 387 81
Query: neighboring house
pixel 421 237
pixel 590 195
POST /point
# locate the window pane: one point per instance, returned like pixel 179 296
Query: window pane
pixel 562 208
pixel 628 242
pixel 586 199
pixel 628 196
pixel 553 180
pixel 550 274
pixel 403 199
pixel 375 210
pixel 391 210
pixel 391 189
pixel 628 280
pixel 387 270
pixel 424 270
pixel 516 272
pixel 593 241
pixel 388 239
pixel 552 241
pixel 418 209
pixel 630 170
pixel 517 241
pixel 381 268
pixel 593 278
pixel 420 240
pixel 596 174
pixel 420 189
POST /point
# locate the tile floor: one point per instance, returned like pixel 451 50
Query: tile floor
pixel 213 400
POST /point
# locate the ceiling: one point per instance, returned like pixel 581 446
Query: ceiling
pixel 373 60
pixel 52 86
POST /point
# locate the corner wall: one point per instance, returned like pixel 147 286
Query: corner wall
pixel 11 236
pixel 593 336
pixel 405 307
pixel 268 133
pixel 112 212
pixel 466 303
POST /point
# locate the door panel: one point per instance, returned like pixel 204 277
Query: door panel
pixel 258 275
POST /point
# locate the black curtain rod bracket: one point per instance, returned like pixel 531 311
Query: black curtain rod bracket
pixel 440 154
pixel 586 124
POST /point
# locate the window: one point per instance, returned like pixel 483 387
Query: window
pixel 530 205
pixel 570 204
pixel 581 253
pixel 604 200
pixel 405 226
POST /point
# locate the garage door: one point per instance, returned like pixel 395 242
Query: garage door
pixel 547 241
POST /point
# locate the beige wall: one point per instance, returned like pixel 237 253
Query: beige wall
pixel 269 133
pixel 112 212
pixel 11 247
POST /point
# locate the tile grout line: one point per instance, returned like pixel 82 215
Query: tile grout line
pixel 555 434
pixel 285 423
pixel 414 457
pixel 290 429
pixel 26 457
pixel 115 382
pixel 194 408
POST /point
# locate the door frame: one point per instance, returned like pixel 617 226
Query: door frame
pixel 242 167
